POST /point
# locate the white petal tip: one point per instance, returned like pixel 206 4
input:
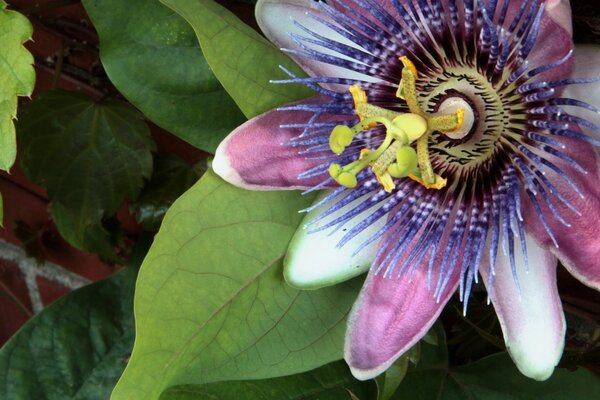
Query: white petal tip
pixel 537 347
pixel 222 167
pixel 538 365
pixel 305 273
pixel 366 374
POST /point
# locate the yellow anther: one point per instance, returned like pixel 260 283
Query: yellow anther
pixel 364 153
pixel 407 90
pixel 460 120
pixel 360 98
pixel 386 181
pixel 395 157
pixel 358 95
pixel 409 64
pixel 438 183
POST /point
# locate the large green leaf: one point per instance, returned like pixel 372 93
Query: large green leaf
pixel 17 78
pixel 90 156
pixel 170 178
pixel 330 382
pixel 77 347
pixel 153 58
pixel 242 59
pixel 211 303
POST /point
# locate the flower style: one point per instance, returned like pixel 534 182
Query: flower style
pixel 450 148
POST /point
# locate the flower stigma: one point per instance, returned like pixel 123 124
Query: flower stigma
pixel 395 157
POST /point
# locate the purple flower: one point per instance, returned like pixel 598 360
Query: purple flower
pixel 454 143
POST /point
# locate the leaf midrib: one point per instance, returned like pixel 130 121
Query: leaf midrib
pixel 217 311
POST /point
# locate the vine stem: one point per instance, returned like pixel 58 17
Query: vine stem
pixel 15 299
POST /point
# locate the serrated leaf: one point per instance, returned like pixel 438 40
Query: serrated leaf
pixel 89 156
pixel 170 178
pixel 77 347
pixel 330 382
pixel 152 56
pixel 18 77
pixel 211 303
pixel 241 58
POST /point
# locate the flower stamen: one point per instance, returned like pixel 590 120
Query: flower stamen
pixel 395 157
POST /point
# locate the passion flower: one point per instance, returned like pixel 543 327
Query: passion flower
pixel 450 152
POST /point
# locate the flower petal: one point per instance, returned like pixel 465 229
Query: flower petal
pixel 579 243
pixel 255 155
pixel 276 19
pixel 560 12
pixel 314 260
pixel 389 317
pixel 531 318
pixel 556 24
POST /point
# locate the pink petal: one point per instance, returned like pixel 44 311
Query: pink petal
pixel 560 12
pixel 531 318
pixel 554 39
pixel 254 156
pixel 276 19
pixel 578 245
pixel 389 317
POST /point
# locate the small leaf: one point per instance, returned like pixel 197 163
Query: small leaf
pixel 211 303
pixel 330 382
pixel 241 58
pixel 77 347
pixel 152 56
pixel 431 338
pixel 170 178
pixel 89 156
pixel 18 78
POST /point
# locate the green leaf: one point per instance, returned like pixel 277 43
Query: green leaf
pixel 77 347
pixel 211 303
pixel 170 178
pixel 330 382
pixel 89 156
pixel 492 378
pixel 18 78
pixel 152 56
pixel 242 59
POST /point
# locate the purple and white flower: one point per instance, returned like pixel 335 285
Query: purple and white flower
pixel 453 141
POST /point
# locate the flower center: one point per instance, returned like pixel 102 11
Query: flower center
pixel 451 105
pixel 396 156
